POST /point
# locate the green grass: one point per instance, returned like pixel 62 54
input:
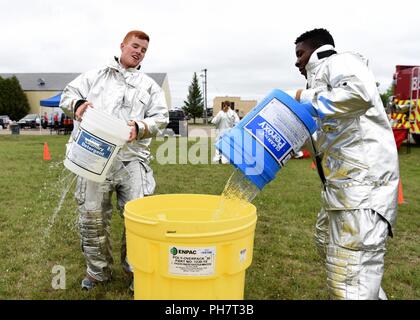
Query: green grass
pixel 34 238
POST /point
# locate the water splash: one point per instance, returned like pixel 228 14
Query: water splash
pixel 238 192
pixel 64 183
pixel 240 187
pixel 50 192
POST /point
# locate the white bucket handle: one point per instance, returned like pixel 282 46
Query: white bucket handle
pixel 210 234
pixel 139 220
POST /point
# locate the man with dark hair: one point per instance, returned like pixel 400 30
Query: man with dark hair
pixel 225 120
pixel 357 162
pixel 119 89
pixel 316 38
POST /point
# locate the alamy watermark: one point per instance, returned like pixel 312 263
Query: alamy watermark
pixel 59 279
pixel 200 149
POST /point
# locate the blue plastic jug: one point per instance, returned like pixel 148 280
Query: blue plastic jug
pixel 264 140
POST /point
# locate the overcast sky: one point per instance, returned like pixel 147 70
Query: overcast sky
pixel 246 46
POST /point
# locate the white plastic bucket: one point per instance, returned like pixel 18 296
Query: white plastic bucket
pixel 95 144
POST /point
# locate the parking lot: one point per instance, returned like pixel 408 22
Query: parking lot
pixel 193 131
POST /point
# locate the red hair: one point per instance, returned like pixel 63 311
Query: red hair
pixel 138 34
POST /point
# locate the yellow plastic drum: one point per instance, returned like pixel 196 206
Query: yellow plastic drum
pixel 181 247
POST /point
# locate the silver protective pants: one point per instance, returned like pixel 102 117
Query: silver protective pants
pixel 130 180
pixel 352 245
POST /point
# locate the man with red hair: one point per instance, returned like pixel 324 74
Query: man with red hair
pixel 123 91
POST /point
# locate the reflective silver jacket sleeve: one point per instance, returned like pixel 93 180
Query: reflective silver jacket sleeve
pixel 76 90
pixel 347 89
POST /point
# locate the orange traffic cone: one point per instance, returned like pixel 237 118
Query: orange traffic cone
pixel 400 193
pixel 313 165
pixel 47 155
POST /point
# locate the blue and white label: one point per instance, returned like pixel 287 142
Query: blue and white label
pixel 278 129
pixel 192 261
pixel 90 152
pixel 272 139
pixel 95 145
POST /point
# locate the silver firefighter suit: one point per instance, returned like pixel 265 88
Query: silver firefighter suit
pixel 358 164
pixel 127 94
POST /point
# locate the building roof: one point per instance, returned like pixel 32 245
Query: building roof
pixel 57 81
pixel 158 77
pixel 42 81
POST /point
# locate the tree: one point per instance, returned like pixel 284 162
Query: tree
pixel 13 101
pixel 194 105
pixel 385 96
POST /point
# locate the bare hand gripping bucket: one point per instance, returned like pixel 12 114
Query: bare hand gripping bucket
pixel 95 144
pixel 264 140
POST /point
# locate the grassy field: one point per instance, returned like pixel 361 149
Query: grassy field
pixel 35 236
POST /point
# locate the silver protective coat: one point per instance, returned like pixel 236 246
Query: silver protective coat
pixel 127 94
pixel 359 159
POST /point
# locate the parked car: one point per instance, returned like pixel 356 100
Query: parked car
pixel 31 120
pixel 5 121
pixel 175 116
pixel 209 113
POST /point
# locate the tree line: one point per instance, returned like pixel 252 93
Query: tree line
pixel 13 101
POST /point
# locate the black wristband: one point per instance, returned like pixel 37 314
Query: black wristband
pixel 137 129
pixel 77 105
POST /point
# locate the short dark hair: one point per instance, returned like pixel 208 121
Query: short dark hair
pixel 316 38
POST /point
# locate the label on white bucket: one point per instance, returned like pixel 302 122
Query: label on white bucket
pixel 282 130
pixel 192 261
pixel 90 152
